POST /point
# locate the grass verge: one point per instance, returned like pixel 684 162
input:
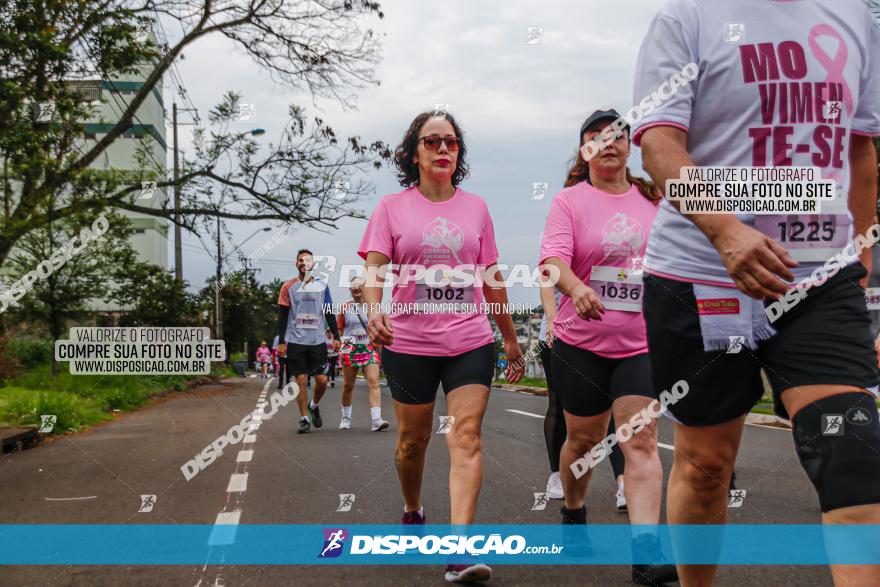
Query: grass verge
pixel 80 401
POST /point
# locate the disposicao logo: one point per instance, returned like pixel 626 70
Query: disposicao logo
pixel 334 541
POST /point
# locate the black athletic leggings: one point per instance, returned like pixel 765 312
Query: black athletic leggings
pixel 554 424
pixel 554 420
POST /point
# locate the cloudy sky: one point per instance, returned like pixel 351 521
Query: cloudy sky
pixel 520 106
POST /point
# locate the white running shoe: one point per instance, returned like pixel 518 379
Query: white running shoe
pixel 554 486
pixel 621 499
pixel 379 424
pixel 345 423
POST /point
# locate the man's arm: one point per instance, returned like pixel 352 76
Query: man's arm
pixel 863 191
pixel 754 261
pixel 283 314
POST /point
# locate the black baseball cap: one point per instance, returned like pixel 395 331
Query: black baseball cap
pixel 595 117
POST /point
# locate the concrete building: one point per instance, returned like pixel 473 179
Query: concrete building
pixel 144 140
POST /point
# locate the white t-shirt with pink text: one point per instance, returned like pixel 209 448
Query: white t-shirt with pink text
pixel 781 83
pixel 413 231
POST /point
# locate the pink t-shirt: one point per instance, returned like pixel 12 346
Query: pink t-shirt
pixel 263 354
pixel 413 231
pixel 587 227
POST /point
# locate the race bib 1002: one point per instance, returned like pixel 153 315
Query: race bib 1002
pixel 444 294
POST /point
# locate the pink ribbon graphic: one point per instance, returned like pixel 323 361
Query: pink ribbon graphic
pixel 834 66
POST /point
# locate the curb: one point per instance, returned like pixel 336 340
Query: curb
pixel 14 439
pixel 521 388
pixel 767 420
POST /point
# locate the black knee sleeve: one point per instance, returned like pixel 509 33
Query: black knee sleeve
pixel 838 442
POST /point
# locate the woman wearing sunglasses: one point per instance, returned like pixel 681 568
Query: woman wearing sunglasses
pixel 595 235
pixel 437 332
pixel 358 353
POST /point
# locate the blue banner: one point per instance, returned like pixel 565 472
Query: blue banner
pixel 352 544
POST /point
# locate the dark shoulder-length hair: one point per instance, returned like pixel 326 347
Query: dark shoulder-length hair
pixel 579 170
pixel 407 171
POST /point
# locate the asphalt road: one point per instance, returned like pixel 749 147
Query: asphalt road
pixel 99 476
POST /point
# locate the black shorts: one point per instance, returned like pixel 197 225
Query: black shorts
pixel 306 359
pixel 587 384
pixel 824 339
pixel 413 379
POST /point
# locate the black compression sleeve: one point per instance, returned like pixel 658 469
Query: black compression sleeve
pixel 283 313
pixel 330 317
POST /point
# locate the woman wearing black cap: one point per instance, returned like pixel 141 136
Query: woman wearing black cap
pixel 595 236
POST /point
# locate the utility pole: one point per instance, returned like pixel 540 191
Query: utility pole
pixel 178 248
pixel 218 307
pixel 178 242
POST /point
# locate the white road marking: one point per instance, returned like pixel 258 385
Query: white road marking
pixel 227 518
pixel 226 525
pixel 660 444
pixel 225 528
pixel 237 482
pixel 70 498
pixel 526 414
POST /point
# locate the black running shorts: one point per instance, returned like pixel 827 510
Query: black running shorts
pixel 823 339
pixel 587 384
pixel 413 379
pixel 306 359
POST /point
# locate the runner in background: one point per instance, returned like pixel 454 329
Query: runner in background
pixel 437 227
pixel 332 358
pixel 777 84
pixel 275 362
pixel 596 234
pixel 618 464
pixel 304 303
pixel 358 353
pixel 263 356
pixel 554 420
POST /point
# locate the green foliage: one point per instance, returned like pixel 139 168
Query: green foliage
pixel 81 400
pixel 66 293
pixel 249 310
pixel 31 353
pixel 153 297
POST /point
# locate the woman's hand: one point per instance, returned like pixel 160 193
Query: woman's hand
pixel 587 303
pixel 380 330
pixel 516 365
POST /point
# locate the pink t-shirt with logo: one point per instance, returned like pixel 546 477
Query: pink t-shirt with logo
pixel 413 231
pixel 587 227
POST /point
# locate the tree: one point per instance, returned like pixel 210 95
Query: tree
pixel 249 308
pixel 45 46
pixel 151 296
pixel 77 279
